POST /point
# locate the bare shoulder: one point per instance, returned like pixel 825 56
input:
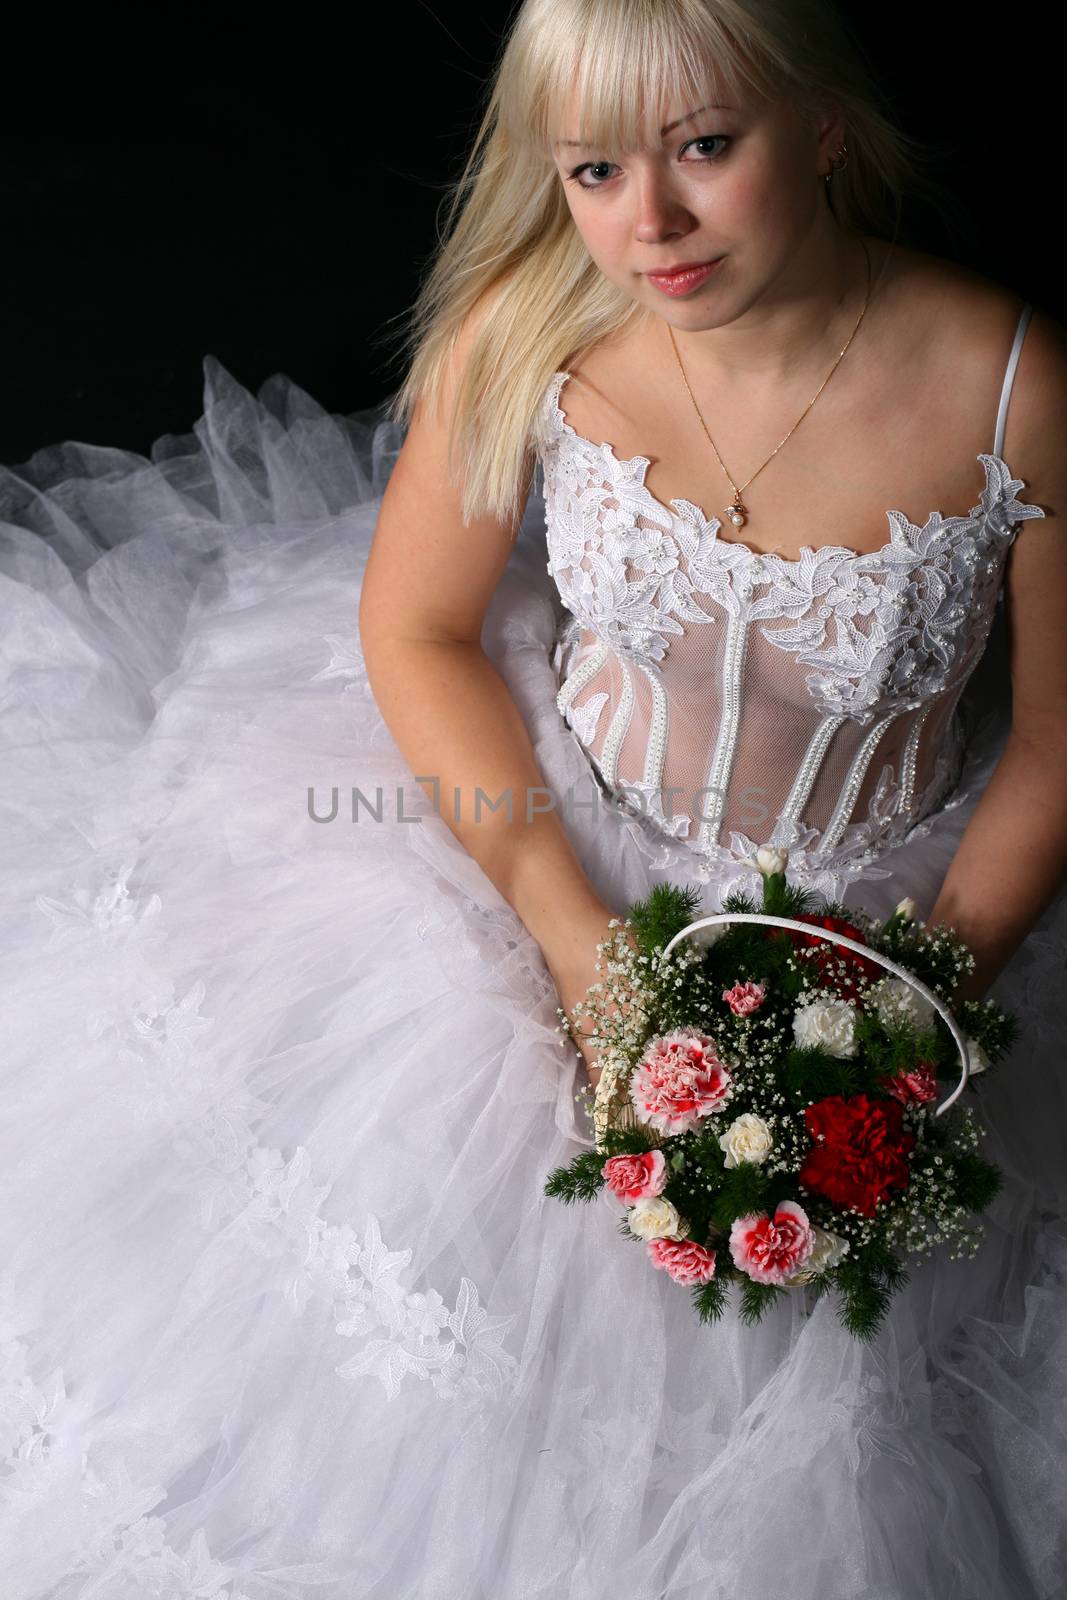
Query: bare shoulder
pixel 982 318
pixel 463 339
pixel 1033 434
pixel 988 321
pixel 975 319
pixel 431 573
pixel 968 325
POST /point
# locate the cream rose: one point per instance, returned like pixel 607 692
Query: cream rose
pixel 769 859
pixel 828 1251
pixel 906 908
pixel 655 1219
pixel 828 1024
pixel 748 1138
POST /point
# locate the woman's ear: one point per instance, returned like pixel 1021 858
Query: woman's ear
pixel 829 128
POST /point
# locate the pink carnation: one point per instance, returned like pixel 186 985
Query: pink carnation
pixel 640 1177
pixel 744 998
pixel 771 1249
pixel 678 1080
pixel 686 1262
pixel 917 1085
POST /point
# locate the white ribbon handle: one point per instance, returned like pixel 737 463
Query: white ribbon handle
pixel 862 949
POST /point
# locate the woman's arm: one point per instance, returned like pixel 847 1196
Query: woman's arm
pixel 1012 858
pixel 452 715
pixel 427 585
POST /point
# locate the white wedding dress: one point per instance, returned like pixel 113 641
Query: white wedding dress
pixel 284 1311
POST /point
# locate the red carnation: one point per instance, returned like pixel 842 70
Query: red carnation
pixel 835 966
pixel 859 1150
pixel 914 1085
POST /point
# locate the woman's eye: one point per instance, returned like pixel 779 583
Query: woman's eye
pixel 723 139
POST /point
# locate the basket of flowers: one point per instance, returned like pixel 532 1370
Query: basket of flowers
pixel 784 1096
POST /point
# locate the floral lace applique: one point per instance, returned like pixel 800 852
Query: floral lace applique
pixel 346 662
pixel 458 1350
pixel 104 906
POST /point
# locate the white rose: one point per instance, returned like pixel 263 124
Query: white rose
pixel 828 1251
pixel 654 1219
pixel 708 936
pixel 748 1138
pixel 906 908
pixel 830 1024
pixel 769 859
pixel 895 1000
pixel 977 1060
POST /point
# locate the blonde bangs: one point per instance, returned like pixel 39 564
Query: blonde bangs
pixel 619 67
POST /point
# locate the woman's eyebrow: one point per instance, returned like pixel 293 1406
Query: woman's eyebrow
pixel 663 131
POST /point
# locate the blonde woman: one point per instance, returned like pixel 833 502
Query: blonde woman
pixel 647 576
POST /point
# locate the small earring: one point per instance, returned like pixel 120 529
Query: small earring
pixel 837 163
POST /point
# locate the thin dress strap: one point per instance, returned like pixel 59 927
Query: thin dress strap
pixel 1009 377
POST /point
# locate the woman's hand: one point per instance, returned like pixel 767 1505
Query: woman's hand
pixel 571 961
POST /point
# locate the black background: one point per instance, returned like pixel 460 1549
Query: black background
pixel 267 191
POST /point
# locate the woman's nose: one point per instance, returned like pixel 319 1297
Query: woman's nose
pixel 658 209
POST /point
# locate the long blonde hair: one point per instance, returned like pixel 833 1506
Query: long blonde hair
pixel 508 224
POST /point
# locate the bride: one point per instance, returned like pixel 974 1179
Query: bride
pixel 333 745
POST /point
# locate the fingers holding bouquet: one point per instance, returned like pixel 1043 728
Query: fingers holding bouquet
pixel 597 982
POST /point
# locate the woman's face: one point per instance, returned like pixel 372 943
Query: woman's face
pixel 740 181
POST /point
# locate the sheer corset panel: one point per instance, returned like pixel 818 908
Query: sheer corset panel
pixel 720 690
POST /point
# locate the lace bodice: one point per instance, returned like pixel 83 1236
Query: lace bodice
pixel 724 693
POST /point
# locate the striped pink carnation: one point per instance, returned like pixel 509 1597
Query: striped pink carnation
pixel 639 1177
pixel 678 1081
pixel 770 1249
pixel 686 1261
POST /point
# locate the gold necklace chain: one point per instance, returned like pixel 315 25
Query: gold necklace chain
pixel 737 511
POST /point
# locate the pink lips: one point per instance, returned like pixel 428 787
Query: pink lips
pixel 684 280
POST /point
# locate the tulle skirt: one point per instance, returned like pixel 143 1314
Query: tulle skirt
pixel 284 1311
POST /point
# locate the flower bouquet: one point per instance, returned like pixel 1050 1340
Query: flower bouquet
pixel 766 1107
